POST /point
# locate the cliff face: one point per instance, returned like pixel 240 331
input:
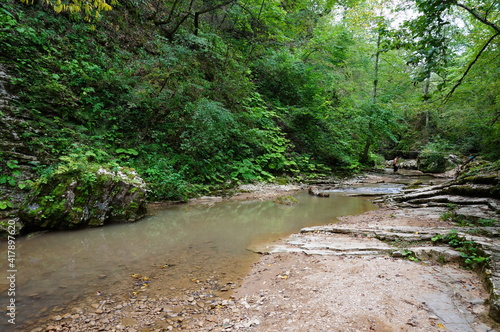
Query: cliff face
pixel 17 159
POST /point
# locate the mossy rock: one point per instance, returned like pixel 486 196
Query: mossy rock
pixel 436 163
pixel 472 190
pixel 286 200
pixel 84 198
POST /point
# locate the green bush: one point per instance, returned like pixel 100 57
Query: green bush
pixel 433 158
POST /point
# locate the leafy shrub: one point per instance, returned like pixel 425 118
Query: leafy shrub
pixel 284 77
pixel 473 257
pixel 210 129
pixel 164 181
pixel 433 158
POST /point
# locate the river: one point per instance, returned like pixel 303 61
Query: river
pixel 174 246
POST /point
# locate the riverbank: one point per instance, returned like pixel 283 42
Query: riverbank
pixel 295 290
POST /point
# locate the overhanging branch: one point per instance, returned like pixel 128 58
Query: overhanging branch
pixel 479 17
pixel 471 64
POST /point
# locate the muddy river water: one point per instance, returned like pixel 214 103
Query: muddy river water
pixel 174 246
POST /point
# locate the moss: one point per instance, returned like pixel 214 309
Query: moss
pixel 472 190
pixel 491 179
pixel 96 199
pixel 281 181
pixel 431 163
pixel 286 200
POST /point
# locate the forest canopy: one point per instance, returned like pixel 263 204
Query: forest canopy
pixel 201 94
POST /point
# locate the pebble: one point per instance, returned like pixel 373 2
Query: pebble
pixel 77 310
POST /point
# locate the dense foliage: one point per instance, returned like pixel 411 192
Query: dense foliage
pixel 198 95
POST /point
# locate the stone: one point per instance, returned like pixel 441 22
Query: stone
pixel 91 195
pixel 437 254
pixel 436 163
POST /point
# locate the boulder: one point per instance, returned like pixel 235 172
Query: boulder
pixel 85 197
pixel 436 162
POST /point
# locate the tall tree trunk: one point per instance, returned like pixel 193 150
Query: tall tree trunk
pixel 366 151
pixel 426 97
pixel 377 61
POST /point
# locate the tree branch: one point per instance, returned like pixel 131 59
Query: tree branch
pixel 448 95
pixel 206 10
pixel 222 4
pixel 479 17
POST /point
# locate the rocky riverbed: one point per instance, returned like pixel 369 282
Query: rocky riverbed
pixel 351 276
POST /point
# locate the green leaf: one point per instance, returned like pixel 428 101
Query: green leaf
pixel 131 152
pixel 5 204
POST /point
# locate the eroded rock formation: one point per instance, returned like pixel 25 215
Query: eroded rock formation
pixel 68 200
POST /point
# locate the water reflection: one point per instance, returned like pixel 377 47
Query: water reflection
pixel 56 268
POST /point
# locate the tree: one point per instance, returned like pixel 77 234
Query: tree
pixel 429 30
pixel 454 47
pixel 172 15
pixel 90 10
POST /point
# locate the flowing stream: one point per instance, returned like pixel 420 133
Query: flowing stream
pixel 174 246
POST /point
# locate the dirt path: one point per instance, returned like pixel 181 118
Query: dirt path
pixel 346 290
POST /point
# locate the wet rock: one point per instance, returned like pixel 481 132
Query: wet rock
pixel 315 192
pixel 286 200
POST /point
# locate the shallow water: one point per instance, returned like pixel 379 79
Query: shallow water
pixel 374 189
pixel 174 246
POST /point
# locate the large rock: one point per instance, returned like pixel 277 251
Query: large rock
pixel 436 163
pixel 94 196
